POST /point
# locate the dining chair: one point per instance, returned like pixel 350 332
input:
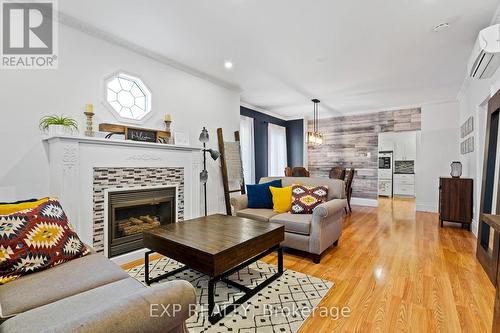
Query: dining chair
pixel 337 173
pixel 300 172
pixel 348 187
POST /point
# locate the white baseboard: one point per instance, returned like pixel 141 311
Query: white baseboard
pixel 426 207
pixel 474 227
pixel 364 202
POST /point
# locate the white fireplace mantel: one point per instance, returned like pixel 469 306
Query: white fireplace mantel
pixel 117 142
pixel 72 161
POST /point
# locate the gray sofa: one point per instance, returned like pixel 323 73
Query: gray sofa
pixel 91 294
pixel 312 233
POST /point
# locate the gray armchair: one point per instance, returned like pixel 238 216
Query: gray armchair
pixel 311 233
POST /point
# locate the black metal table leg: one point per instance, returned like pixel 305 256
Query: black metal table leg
pixel 148 280
pixel 248 293
pixel 146 267
pixel 211 296
pixel 280 260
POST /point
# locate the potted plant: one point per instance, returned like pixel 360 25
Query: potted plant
pixel 58 125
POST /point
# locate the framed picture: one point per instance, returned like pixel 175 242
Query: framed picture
pixel 181 138
pixel 467 127
pixel 470 144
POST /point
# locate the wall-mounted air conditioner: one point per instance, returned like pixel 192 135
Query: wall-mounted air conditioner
pixel 485 58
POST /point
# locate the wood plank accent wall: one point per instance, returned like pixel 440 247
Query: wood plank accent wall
pixel 348 140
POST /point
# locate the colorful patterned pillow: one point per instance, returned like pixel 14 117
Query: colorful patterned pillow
pixel 305 198
pixel 35 239
pixel 9 208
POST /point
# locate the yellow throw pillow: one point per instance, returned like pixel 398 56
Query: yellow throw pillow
pixel 282 199
pixel 6 209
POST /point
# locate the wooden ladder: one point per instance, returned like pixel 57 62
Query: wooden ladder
pixel 225 181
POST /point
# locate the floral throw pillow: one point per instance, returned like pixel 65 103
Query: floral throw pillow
pixel 35 239
pixel 305 198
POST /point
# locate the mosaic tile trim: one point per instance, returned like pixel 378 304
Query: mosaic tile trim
pixel 114 178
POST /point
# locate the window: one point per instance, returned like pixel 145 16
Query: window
pixel 277 158
pixel 247 149
pixel 128 97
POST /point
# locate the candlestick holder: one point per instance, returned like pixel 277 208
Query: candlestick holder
pixel 169 140
pixel 167 125
pixel 89 130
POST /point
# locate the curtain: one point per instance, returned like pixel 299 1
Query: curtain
pixel 247 149
pixel 277 159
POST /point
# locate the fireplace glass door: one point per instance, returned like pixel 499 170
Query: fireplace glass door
pixel 130 212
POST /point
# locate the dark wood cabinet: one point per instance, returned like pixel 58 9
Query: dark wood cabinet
pixel 455 200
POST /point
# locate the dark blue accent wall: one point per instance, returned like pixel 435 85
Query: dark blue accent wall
pixel 295 142
pixel 294 138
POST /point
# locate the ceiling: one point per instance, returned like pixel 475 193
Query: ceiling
pixel 355 56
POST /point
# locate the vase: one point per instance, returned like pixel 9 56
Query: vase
pixel 456 169
pixel 59 130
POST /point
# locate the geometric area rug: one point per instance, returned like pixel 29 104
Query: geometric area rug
pixel 282 306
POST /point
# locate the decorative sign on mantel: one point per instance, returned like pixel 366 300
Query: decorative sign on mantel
pixel 140 134
pixel 135 133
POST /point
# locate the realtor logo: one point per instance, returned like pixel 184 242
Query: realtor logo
pixel 28 35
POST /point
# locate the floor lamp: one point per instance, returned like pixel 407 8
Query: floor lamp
pixel 204 137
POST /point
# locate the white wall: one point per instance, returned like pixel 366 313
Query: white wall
pixel 473 101
pixel 84 61
pixel 437 149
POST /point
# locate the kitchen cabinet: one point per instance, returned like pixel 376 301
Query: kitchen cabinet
pixel 404 185
pixel 402 144
pixel 386 141
pixel 405 146
pixel 398 151
pixel 411 146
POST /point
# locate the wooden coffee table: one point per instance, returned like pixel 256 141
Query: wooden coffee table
pixel 218 246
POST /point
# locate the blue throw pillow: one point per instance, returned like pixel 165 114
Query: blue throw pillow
pixel 259 195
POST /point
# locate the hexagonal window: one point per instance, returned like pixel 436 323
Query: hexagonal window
pixel 128 97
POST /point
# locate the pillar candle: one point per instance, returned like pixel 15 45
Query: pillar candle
pixel 89 108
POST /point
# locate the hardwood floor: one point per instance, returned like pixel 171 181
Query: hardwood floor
pixel 398 271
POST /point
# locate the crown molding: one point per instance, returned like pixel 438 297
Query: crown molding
pixel 262 110
pixel 90 30
pixel 394 108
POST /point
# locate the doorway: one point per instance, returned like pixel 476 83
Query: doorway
pixel 397 161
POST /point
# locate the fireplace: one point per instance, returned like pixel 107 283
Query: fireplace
pixel 131 211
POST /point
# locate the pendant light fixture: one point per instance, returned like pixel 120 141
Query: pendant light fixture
pixel 315 137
